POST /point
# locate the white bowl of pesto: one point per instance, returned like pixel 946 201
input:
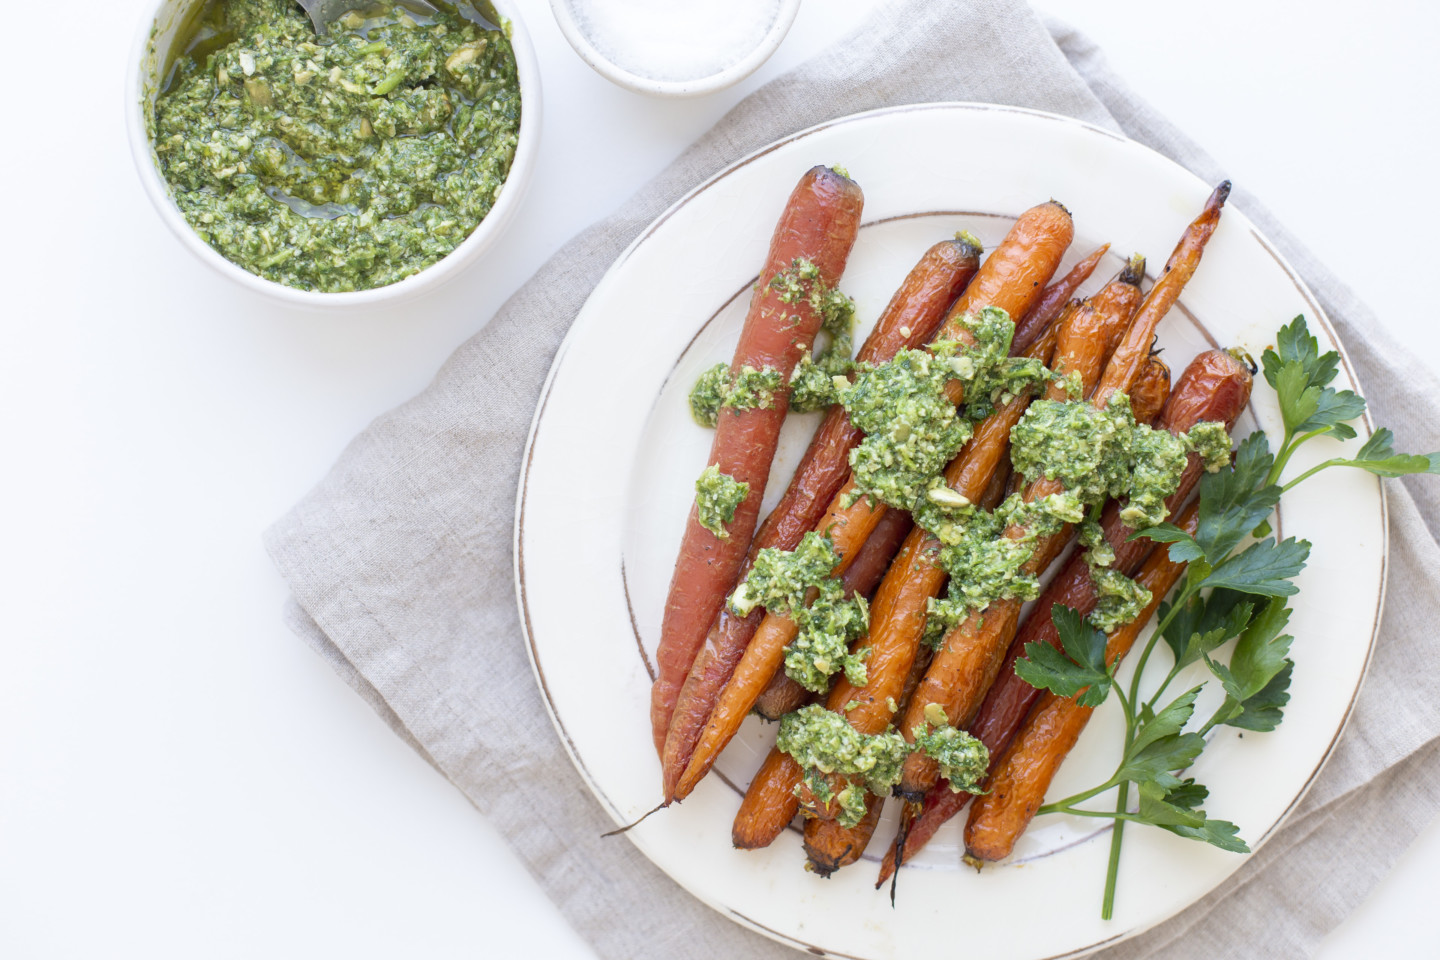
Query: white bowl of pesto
pixel 359 168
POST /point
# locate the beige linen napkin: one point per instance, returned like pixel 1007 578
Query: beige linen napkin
pixel 400 560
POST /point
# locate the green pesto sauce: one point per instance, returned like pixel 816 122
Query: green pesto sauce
pixel 779 581
pixel 1119 599
pixel 342 162
pixel 810 383
pixel 824 743
pixel 747 390
pixel 822 646
pixel 984 565
pixel 1211 442
pixel 717 496
pixel 1157 459
pixel 1085 448
pixel 963 759
pixel 911 428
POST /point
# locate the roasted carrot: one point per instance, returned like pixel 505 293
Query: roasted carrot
pixel 1213 387
pixel 911 318
pixel 784 694
pixel 1027 767
pixel 900 608
pixel 1130 355
pixel 969 656
pixel 1053 300
pixel 1011 278
pixel 828 845
pixel 819 224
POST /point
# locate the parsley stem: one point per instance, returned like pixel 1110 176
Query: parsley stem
pixel 1312 471
pixel 1287 449
pixel 1117 837
pixel 1063 806
pixel 1122 797
pixel 1125 705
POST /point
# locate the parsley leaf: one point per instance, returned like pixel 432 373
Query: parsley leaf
pixel 1294 345
pixel 1167 722
pixel 1332 409
pixel 1255 690
pixel 1264 568
pixel 1235 500
pixel 1217 833
pixel 1299 373
pixel 1183 548
pixel 1378 456
pixel 1264 711
pixel 1081 666
pixel 1202 625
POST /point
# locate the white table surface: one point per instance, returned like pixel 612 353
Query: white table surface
pixel 179 775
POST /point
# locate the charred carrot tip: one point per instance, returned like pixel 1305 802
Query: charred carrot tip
pixel 1067 209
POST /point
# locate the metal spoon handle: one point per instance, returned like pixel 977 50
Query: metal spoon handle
pixel 325 12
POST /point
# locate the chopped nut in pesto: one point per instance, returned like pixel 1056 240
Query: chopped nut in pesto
pixel 340 162
pixel 963 759
pixel 717 495
pixel 716 388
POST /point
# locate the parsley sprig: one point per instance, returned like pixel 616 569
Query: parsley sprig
pixel 1229 592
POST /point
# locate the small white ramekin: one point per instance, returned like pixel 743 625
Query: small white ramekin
pixel 159 29
pixel 728 77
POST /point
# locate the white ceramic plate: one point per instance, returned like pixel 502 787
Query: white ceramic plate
pixel 595 545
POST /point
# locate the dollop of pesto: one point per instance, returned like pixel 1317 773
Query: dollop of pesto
pixel 812 384
pixel 985 565
pixel 1119 599
pixel 824 743
pixel 821 648
pixel 993 377
pixel 717 496
pixel 1087 449
pixel 780 581
pixel 1211 441
pixel 912 427
pixel 747 390
pixel 1105 453
pixel 1157 459
pixel 963 759
pixel 911 430
pixel 341 162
